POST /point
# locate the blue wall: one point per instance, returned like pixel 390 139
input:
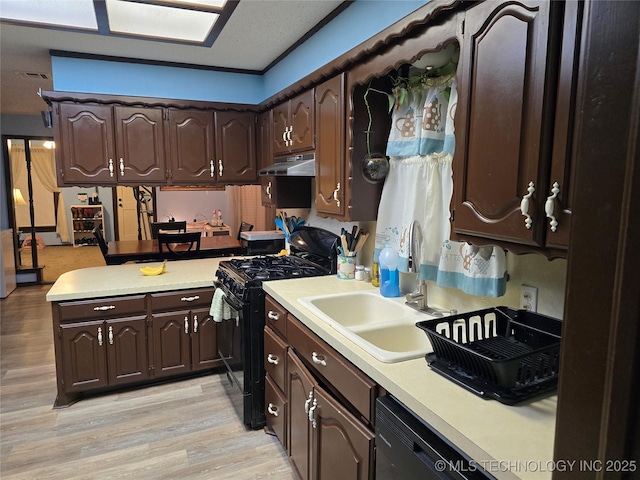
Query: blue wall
pixel 359 22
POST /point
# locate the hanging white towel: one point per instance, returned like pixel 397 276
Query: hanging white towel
pixel 220 309
pixel 472 269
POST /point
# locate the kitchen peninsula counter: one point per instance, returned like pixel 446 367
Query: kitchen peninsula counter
pixel 510 442
pixel 126 279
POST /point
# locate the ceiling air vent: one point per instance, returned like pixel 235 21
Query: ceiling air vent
pixel 33 75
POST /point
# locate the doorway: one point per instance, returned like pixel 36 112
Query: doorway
pixel 134 211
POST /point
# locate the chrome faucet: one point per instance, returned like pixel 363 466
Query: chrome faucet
pixel 417 299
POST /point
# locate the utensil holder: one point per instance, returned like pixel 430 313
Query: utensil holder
pixel 346 267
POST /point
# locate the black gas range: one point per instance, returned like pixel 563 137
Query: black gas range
pixel 241 339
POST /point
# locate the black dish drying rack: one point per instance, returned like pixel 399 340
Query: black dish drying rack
pixel 502 353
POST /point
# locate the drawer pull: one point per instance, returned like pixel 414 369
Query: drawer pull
pixel 100 336
pixel 318 360
pixel 190 299
pixel 186 324
pixel 272 409
pixel 271 358
pixel 273 315
pixel 306 404
pixel 103 308
pixel 312 419
pixel 110 335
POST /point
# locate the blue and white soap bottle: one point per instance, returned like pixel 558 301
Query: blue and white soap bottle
pixel 389 279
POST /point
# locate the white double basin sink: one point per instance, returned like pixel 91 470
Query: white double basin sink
pixel 383 327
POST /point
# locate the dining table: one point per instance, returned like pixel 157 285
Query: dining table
pixel 122 251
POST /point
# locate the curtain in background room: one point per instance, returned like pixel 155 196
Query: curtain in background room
pixel 246 206
pixel 44 164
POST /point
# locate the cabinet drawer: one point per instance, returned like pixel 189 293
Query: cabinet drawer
pixel 353 385
pixel 275 356
pixel 276 410
pixel 101 308
pixel 180 300
pixel 275 316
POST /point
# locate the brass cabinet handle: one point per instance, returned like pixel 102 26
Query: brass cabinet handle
pixel 524 205
pixel 549 204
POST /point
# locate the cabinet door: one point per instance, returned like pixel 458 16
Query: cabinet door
pixel 264 148
pixel 560 190
pixel 84 355
pixel 86 150
pixel 280 128
pixel 341 446
pixel 301 122
pixel 191 151
pixel 300 385
pixel 171 354
pixel 236 147
pixel 276 410
pixel 204 343
pixel 330 165
pixel 501 131
pixel 127 356
pixel 140 145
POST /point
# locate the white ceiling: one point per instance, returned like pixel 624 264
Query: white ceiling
pixel 256 34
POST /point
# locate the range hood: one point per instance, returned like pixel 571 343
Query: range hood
pixel 293 166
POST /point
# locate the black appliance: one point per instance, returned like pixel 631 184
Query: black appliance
pixel 241 340
pixel 407 448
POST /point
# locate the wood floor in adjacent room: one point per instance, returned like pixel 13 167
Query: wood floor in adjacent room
pixel 181 430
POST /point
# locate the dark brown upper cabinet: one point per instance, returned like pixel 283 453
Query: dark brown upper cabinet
pixel 191 147
pixel 508 78
pixel 108 145
pixel 330 134
pixel 236 147
pixel 293 125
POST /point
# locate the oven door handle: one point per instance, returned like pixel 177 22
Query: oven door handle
pixel 232 304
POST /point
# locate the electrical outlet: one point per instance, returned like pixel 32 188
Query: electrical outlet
pixel 529 298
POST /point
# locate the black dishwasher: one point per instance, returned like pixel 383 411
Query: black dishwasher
pixel 407 448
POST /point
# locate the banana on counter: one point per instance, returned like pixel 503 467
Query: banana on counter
pixel 149 271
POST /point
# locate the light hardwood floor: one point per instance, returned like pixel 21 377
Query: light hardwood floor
pixel 181 430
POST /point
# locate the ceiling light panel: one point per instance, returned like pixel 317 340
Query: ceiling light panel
pixel 214 4
pixel 76 14
pixel 146 20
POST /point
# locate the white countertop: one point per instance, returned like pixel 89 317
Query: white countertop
pixel 508 441
pixel 126 279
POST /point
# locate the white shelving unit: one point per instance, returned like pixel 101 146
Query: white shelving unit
pixel 85 218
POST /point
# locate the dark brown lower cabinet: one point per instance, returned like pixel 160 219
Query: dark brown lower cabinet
pixel 100 353
pixel 325 427
pixel 106 343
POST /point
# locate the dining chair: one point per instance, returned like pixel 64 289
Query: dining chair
pixel 97 232
pixel 180 226
pixel 179 245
